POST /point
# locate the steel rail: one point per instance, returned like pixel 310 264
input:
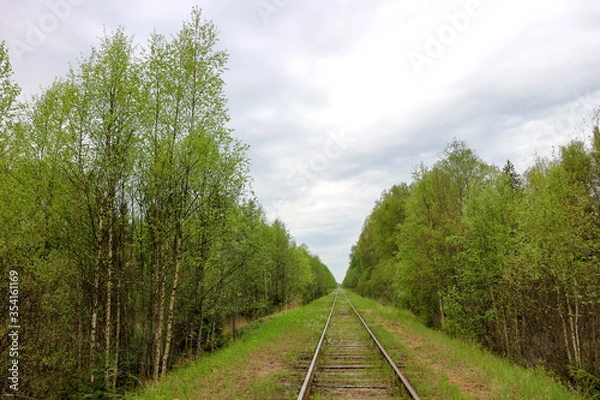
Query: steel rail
pixel 305 390
pixel 411 392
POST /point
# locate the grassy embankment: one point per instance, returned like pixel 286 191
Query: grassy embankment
pixel 439 367
pixel 445 368
pixel 255 367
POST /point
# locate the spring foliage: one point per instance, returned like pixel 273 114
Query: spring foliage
pixel 125 208
pixel 508 261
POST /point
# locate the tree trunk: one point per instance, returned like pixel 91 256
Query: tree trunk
pixel 199 339
pixel 98 263
pixel 564 325
pixel 109 287
pixel 500 325
pixel 213 332
pixel 441 308
pixel 506 339
pixel 158 278
pixel 162 281
pixel 161 312
pixel 574 330
pixel 178 252
pixel 117 333
pixel 79 261
pixel 95 300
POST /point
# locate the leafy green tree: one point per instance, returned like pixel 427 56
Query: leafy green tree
pixel 511 174
pixel 125 207
pixel 505 260
pixel 106 83
pixel 430 250
pixel 560 230
pixel 482 301
pixel 9 91
pixel 324 281
pixel 371 259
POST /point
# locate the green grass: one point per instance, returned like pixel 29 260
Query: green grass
pixel 438 367
pixel 446 368
pixel 255 367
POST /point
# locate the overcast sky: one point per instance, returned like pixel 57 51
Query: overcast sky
pixel 340 100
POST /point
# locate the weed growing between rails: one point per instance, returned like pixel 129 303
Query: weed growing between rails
pixel 350 361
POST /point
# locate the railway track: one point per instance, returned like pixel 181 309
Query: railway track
pixel 349 362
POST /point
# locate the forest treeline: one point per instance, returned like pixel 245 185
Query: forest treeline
pixel 508 261
pixel 126 210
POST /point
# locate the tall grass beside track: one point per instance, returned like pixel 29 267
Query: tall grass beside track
pixel 438 367
pixel 441 367
pixel 256 366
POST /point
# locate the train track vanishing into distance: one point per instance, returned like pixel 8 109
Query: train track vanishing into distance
pixel 349 361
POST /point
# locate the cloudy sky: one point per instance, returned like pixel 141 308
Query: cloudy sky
pixel 339 100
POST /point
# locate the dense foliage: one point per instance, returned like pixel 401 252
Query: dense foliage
pixel 126 211
pixel 509 261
